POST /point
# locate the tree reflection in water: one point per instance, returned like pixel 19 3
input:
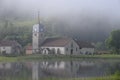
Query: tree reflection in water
pixel 59 69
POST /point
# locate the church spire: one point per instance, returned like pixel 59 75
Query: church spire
pixel 38 35
pixel 39 18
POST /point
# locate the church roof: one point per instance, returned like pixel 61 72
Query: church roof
pixel 83 44
pixel 56 42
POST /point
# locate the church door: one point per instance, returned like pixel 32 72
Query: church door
pixel 71 52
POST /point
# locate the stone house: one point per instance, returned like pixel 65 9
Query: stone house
pixel 10 47
pixel 85 47
pixel 28 50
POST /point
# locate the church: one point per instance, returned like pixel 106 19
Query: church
pixel 58 45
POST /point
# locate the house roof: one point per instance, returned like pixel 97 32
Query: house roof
pixel 56 42
pixel 8 43
pixel 83 44
pixel 29 48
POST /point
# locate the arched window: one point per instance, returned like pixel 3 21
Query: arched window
pixel 53 51
pixel 45 52
pixel 72 45
pixel 76 49
pixel 66 49
pixel 35 34
pixel 58 51
pixel 41 35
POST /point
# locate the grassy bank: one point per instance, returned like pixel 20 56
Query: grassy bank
pixel 68 57
pixel 8 59
pixel 99 78
pixel 58 57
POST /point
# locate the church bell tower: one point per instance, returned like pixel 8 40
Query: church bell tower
pixel 38 36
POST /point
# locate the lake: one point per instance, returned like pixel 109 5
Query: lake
pixel 37 70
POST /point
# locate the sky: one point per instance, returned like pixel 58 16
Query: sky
pixel 63 7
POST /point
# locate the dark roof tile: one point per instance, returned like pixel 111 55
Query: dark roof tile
pixel 8 43
pixel 56 42
pixel 83 44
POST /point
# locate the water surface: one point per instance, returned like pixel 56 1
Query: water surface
pixel 36 70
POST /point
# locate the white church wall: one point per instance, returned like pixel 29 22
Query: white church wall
pixel 62 51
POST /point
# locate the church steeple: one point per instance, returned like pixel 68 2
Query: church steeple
pixel 38 35
pixel 38 17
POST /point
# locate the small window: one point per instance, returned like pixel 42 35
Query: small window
pixel 76 49
pixel 72 45
pixel 41 35
pixel 35 34
pixel 66 49
pixel 53 51
pixel 45 51
pixel 58 51
pixel 80 47
pixel 3 47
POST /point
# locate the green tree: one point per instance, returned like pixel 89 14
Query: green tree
pixel 113 42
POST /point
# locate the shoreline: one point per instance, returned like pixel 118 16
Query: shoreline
pixel 58 57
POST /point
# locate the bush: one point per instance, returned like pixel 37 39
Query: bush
pixel 116 75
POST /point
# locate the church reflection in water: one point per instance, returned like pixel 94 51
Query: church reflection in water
pixel 59 69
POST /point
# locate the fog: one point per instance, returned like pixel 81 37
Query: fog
pixel 81 16
pixel 60 7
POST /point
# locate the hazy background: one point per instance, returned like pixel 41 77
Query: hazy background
pixel 88 20
pixel 108 8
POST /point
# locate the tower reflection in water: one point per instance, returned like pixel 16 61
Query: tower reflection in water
pixel 60 69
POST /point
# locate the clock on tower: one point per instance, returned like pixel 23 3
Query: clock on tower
pixel 36 28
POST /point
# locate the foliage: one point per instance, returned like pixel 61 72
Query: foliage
pixel 113 41
pixel 100 46
pixel 117 75
pixel 11 31
pixel 58 57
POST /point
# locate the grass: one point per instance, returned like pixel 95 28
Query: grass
pixel 94 78
pixel 106 78
pixel 64 57
pixel 57 57
pixel 99 78
pixel 115 76
pixel 7 59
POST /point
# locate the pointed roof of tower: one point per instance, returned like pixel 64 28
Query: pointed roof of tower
pixel 39 26
pixel 38 17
